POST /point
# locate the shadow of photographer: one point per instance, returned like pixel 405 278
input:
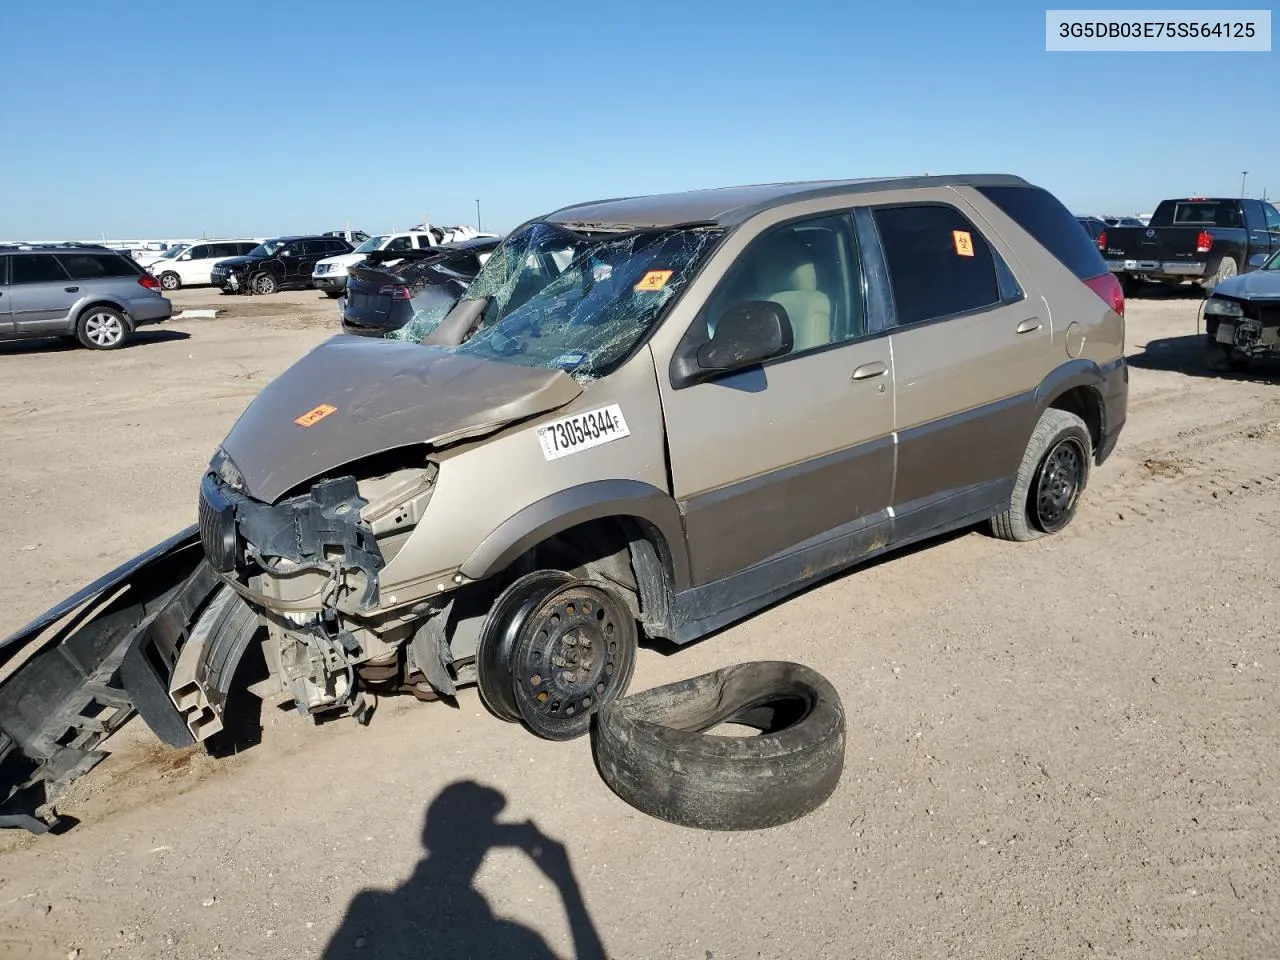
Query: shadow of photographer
pixel 438 912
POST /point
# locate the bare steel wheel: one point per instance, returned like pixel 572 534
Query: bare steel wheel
pixel 102 328
pixel 1053 473
pixel 1058 487
pixel 575 652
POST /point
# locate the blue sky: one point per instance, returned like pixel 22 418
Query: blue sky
pixel 250 118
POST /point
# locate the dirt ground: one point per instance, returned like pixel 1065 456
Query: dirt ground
pixel 1059 749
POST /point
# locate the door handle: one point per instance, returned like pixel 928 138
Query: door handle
pixel 73 289
pixel 877 368
pixel 1026 326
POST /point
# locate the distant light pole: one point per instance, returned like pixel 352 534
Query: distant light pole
pixel 478 215
pixel 1243 175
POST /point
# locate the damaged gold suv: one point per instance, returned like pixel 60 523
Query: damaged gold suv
pixel 647 417
pixel 652 417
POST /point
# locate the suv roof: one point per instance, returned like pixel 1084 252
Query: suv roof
pixel 70 245
pixel 729 206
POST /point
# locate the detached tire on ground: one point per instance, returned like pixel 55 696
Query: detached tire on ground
pixel 1053 475
pixel 652 751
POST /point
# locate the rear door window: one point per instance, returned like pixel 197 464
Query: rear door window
pixel 939 264
pixel 38 268
pixel 337 246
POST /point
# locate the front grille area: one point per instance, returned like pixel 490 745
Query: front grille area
pixel 217 516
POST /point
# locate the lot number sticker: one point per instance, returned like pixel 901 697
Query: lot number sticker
pixel 964 242
pixel 582 431
pixel 315 415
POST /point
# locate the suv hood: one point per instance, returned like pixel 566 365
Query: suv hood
pixel 384 394
pixel 1255 285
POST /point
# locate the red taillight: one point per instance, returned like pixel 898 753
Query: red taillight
pixel 1109 289
pixel 398 292
pixel 1204 242
pixel 150 282
pixel 1102 241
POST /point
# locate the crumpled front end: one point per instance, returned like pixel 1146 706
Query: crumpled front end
pixel 309 564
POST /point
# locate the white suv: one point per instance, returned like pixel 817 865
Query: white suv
pixel 192 266
pixel 330 274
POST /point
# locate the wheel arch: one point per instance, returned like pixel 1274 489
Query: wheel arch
pixel 1076 387
pixel 96 302
pixel 628 514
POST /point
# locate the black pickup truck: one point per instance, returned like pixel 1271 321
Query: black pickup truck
pixel 1201 239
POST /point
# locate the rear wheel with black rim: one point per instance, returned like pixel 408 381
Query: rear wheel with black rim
pixel 1053 474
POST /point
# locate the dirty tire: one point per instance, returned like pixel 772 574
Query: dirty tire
pixel 651 750
pixel 102 328
pixel 169 280
pixel 1226 268
pixel 263 284
pixel 1057 429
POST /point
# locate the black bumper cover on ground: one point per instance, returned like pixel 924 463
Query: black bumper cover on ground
pixel 110 659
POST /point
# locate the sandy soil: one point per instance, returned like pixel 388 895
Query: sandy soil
pixel 1062 749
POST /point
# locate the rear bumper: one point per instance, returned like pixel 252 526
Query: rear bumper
pixel 1115 406
pixel 1159 268
pixel 149 310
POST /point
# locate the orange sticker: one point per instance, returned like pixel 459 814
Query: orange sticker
pixel 654 280
pixel 964 242
pixel 314 416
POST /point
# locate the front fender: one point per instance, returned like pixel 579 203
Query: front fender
pixel 567 508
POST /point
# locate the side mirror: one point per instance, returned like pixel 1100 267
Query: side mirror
pixel 286 253
pixel 746 334
pixel 185 256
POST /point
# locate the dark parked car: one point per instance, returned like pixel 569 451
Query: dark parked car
pixel 1202 239
pixel 276 264
pixel 78 292
pixel 1242 318
pixel 416 293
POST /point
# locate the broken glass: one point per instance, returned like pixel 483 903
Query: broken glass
pixel 580 301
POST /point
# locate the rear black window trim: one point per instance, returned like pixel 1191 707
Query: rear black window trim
pixel 992 195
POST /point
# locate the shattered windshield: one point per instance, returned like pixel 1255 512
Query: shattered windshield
pixel 580 301
pixel 267 249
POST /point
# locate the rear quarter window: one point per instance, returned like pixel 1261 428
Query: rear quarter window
pixel 1051 224
pixel 91 266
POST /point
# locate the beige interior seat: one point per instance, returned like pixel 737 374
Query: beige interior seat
pixel 787 275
